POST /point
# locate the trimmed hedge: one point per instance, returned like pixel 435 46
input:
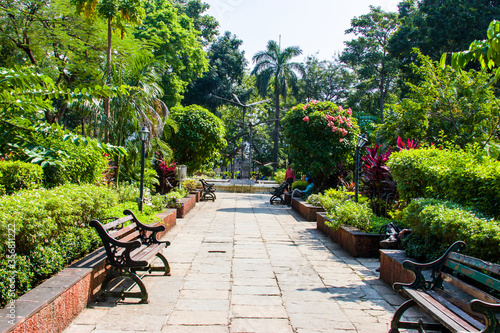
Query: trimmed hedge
pixel 40 215
pixel 458 176
pixel 437 224
pixel 17 175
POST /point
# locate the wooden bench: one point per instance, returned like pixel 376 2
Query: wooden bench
pixel 458 304
pixel 129 249
pixel 208 191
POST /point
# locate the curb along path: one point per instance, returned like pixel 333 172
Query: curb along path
pixel 241 265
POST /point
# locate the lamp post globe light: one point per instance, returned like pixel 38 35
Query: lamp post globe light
pixel 144 134
pixel 362 140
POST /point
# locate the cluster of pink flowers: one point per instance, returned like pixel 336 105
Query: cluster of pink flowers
pixel 335 122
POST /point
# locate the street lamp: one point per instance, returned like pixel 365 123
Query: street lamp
pixel 144 134
pixel 362 140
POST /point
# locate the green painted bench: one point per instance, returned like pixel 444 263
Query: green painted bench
pixel 456 294
pixel 129 249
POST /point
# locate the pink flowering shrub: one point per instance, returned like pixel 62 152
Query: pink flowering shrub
pixel 321 136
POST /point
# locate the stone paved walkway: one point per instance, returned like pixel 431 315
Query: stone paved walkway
pixel 242 265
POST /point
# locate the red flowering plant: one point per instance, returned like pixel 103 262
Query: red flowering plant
pixel 165 173
pixel 378 184
pixel 320 135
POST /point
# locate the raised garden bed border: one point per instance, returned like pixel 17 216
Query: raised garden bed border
pixel 356 242
pixel 305 209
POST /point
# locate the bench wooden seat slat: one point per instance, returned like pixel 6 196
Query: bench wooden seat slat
pixel 456 293
pixel 440 310
pixel 129 249
pixel 116 223
pixel 146 252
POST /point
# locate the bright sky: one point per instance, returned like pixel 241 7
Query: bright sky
pixel 317 26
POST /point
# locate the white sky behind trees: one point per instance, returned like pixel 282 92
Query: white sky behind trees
pixel 317 26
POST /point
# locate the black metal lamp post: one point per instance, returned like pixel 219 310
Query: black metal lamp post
pixel 144 133
pixel 362 140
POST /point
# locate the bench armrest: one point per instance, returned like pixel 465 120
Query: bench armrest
pixel 144 228
pixel 116 256
pixel 489 311
pixel 420 281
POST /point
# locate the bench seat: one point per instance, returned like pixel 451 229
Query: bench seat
pixel 454 291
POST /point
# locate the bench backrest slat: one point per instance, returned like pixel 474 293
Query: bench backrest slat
pixel 116 223
pixel 473 273
pixel 122 232
pixel 475 262
pixel 130 237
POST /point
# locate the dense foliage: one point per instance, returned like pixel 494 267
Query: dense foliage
pixel 199 138
pixel 320 136
pixel 455 175
pixel 436 224
pixel 17 175
pixel 342 210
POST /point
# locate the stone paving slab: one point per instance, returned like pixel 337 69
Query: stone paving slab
pixel 241 265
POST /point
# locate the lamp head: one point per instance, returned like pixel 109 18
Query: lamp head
pixel 362 140
pixel 144 133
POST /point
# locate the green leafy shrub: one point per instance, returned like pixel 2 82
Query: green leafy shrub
pixel 458 176
pixel 22 274
pixel 39 215
pixel 342 210
pixel 279 176
pixel 314 199
pixel 190 184
pixel 321 136
pixel 174 196
pixel 442 222
pixel 128 192
pixel 158 202
pixel 46 260
pixel 299 184
pixel 17 175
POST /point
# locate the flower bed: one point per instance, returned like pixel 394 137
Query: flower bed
pixel 356 242
pixel 391 267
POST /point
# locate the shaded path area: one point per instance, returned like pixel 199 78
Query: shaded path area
pixel 241 265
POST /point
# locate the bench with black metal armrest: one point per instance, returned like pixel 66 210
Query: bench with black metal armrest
pixel 129 249
pixel 208 191
pixel 456 293
pixel 277 193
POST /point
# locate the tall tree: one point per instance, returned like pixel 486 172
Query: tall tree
pixel 225 75
pixel 368 54
pixel 439 26
pixel 117 14
pixel 175 42
pixel 274 65
pixel 207 25
pixel 325 81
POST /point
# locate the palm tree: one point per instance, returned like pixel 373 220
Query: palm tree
pixel 273 65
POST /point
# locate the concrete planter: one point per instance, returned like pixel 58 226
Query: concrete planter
pixel 358 243
pixel 391 267
pixel 54 304
pixel 307 211
pixel 187 203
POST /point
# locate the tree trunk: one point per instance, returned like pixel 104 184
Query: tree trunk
pixel 276 125
pixel 382 92
pixel 107 110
